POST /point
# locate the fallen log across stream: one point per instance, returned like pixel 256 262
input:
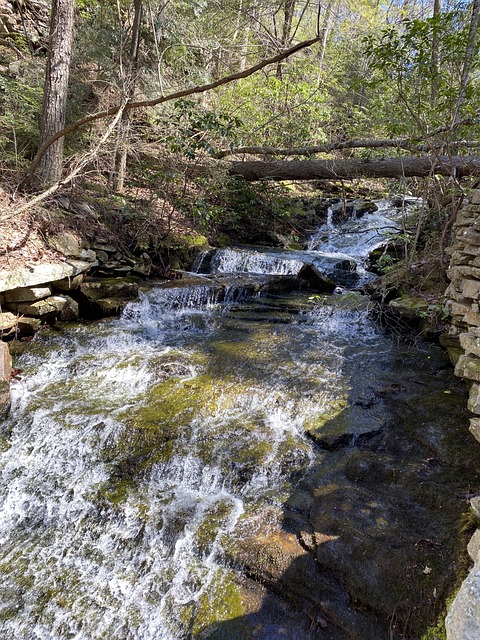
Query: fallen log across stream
pixel 408 167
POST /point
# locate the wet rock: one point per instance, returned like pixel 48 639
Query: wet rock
pixel 97 288
pixel 370 468
pixel 359 209
pixel 101 297
pixel 271 555
pixel 28 326
pixel 27 294
pixel 70 311
pixel 310 276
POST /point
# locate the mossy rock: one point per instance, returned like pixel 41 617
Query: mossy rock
pixel 221 602
pixel 410 307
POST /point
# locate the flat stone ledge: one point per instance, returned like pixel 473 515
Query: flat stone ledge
pixel 42 274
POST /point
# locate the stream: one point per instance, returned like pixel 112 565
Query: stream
pixel 235 458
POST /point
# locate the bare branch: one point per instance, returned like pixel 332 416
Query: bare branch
pixel 79 165
pixel 399 143
pixel 160 100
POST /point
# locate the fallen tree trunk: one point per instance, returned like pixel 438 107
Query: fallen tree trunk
pixel 399 143
pixel 407 167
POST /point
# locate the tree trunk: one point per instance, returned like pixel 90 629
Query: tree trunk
pixel 120 167
pixel 323 33
pixel 49 169
pixel 288 11
pixel 407 167
pixel 435 60
pixel 160 100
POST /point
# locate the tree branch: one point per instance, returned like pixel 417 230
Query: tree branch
pixel 79 165
pixel 160 100
pixel 399 143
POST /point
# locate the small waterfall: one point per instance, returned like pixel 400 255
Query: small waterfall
pixel 330 224
pixel 255 262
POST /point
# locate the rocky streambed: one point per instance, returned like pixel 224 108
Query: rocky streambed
pixel 239 455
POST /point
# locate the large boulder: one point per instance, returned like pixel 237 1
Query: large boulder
pixel 310 277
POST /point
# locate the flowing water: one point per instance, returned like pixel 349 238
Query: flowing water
pixel 138 449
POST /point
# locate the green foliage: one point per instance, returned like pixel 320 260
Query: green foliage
pixel 243 212
pixel 20 105
pixel 401 56
pixel 191 129
pixel 279 112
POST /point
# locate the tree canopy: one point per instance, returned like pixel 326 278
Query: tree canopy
pixel 403 72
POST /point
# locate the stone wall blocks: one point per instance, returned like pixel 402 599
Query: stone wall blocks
pixel 471 288
pixel 458 309
pixel 468 367
pixel 472 318
pixel 474 399
pixel 473 547
pixel 27 294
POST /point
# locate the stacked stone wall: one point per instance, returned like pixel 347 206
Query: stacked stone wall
pixel 463 301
